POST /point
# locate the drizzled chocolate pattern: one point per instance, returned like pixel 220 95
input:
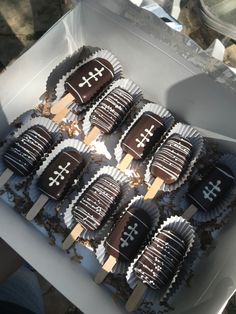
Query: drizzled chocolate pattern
pixel 61 173
pixel 89 79
pixel 128 235
pixel 24 154
pixel 144 134
pixel 212 189
pixel 170 160
pixel 93 207
pixel 161 260
pixel 112 110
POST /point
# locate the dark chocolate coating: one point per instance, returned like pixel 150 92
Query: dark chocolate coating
pixel 212 189
pixel 23 156
pixel 60 174
pixel 170 161
pixel 144 134
pixel 128 235
pixel 89 79
pixel 94 206
pixel 161 259
pixel 112 110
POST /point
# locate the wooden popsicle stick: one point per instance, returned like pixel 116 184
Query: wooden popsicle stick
pixel 35 209
pixel 5 176
pixel 92 135
pixel 106 268
pixel 61 115
pixel 62 103
pixel 71 238
pixel 125 162
pixel 136 297
pixel 151 193
pixel 188 214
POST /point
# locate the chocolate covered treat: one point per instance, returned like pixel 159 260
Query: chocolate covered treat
pixel 128 235
pixel 57 179
pixel 93 207
pixel 83 85
pixel 89 80
pixel 61 173
pixel 144 134
pixel 24 155
pixel 96 203
pixel 169 162
pixel 211 190
pixel 112 110
pixel 161 260
pixel 157 265
pixel 125 240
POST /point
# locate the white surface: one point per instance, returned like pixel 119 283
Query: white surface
pixel 165 77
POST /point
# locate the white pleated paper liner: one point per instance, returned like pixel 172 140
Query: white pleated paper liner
pixel 65 145
pixel 149 107
pixel 221 208
pixel 118 71
pixel 187 233
pixel 138 202
pixel 125 84
pixel 126 194
pixel 51 127
pixel 196 139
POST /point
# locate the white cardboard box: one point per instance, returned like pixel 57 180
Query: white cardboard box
pixel 170 69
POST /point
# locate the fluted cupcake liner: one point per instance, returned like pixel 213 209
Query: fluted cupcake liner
pixel 105 54
pixel 197 142
pixel 187 233
pixel 51 126
pixel 125 84
pixel 138 202
pixel 149 107
pixel 223 207
pixel 65 145
pixel 126 194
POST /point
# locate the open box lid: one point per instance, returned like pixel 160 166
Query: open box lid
pixel 171 69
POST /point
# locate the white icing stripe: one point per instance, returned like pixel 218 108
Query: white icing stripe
pixel 153 118
pixel 111 246
pixel 72 157
pixel 138 219
pixel 124 144
pixel 194 199
pixel 81 99
pixel 104 67
pixel 226 173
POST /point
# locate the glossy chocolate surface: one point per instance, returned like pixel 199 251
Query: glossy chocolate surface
pixel 112 110
pixel 144 134
pixel 60 174
pixel 170 161
pixel 128 235
pixel 89 80
pixel 97 202
pixel 23 156
pixel 161 259
pixel 212 189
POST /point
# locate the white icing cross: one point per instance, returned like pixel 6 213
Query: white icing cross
pixel 129 236
pixel 145 137
pixel 98 72
pixel 209 192
pixel 59 175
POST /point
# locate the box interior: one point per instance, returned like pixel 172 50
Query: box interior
pixel 165 77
